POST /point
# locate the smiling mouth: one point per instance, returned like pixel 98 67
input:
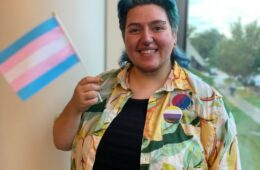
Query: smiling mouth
pixel 153 51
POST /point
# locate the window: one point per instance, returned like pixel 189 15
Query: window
pixel 223 43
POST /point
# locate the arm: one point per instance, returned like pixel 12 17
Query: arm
pixel 228 156
pixel 225 154
pixel 67 124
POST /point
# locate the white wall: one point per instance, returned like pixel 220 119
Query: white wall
pixel 26 127
pixel 114 40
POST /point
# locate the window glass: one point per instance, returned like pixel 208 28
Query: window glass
pixel 223 43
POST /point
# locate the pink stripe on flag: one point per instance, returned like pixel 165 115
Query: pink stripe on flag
pixel 41 68
pixel 31 48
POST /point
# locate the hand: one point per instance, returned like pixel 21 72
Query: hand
pixel 85 94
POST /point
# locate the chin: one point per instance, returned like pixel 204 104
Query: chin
pixel 148 69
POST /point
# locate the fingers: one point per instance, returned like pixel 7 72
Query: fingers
pixel 86 80
pixel 86 93
pixel 90 95
pixel 87 103
pixel 89 87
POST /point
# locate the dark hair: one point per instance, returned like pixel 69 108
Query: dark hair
pixel 170 7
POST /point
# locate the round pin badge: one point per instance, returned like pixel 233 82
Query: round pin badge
pixel 172 114
pixel 182 101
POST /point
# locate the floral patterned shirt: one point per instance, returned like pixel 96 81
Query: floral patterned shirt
pixel 186 127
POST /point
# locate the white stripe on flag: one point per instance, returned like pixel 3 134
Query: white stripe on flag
pixel 36 58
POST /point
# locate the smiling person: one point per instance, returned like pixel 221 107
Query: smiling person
pixel 154 114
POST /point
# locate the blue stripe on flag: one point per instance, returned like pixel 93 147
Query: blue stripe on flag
pixel 27 38
pixel 45 79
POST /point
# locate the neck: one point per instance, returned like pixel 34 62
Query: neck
pixel 143 85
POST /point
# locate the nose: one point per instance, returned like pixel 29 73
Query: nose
pixel 147 37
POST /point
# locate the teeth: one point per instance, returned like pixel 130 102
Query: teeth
pixel 147 51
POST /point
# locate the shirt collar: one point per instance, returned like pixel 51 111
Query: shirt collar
pixel 177 79
pixel 122 77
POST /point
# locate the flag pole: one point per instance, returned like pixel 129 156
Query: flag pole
pixel 72 44
pixel 67 34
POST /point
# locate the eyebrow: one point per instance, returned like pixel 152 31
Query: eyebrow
pixel 150 23
pixel 158 22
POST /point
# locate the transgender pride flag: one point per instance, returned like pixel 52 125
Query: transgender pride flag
pixel 37 58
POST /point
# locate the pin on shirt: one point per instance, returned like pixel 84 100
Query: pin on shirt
pixel 182 101
pixel 172 114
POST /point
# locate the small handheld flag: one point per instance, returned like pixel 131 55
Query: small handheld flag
pixel 37 58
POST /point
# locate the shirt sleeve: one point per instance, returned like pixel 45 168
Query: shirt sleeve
pixel 225 152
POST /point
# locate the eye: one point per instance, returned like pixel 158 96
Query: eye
pixel 158 28
pixel 134 30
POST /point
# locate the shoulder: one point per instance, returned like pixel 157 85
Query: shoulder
pixel 201 88
pixel 110 74
pixel 109 82
pixel 208 101
pixel 109 78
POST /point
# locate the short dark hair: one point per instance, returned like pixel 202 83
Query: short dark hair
pixel 170 7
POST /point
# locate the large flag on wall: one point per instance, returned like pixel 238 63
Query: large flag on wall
pixel 37 58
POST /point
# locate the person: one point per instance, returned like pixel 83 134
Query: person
pixel 232 89
pixel 154 114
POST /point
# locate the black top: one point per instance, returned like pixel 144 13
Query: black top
pixel 120 146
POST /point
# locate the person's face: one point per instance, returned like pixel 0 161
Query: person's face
pixel 148 38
